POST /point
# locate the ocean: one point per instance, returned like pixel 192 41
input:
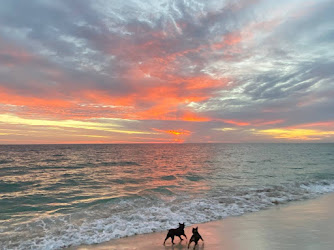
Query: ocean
pixel 55 196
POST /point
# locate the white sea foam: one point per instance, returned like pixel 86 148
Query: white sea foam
pixel 319 188
pixel 145 215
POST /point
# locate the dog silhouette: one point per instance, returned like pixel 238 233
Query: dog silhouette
pixel 195 237
pixel 176 232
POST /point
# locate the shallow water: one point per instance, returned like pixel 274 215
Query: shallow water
pixel 53 196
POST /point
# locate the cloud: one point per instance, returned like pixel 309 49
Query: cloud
pixel 206 64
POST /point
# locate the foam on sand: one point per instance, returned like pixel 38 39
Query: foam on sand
pixel 298 225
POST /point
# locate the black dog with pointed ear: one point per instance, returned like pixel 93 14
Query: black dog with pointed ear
pixel 176 232
pixel 195 237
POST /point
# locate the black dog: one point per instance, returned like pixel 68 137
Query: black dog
pixel 195 237
pixel 176 232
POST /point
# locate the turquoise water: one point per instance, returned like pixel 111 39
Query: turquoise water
pixel 52 196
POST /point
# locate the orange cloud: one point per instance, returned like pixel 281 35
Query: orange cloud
pixel 10 97
pixel 229 39
pixel 193 117
pixel 150 102
pixel 160 91
pixel 103 97
pixel 258 123
pixel 323 125
pixel 235 122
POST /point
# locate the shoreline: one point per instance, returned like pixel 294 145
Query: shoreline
pixel 307 224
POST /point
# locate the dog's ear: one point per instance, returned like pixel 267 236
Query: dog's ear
pixel 197 228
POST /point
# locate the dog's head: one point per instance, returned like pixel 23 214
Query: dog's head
pixel 195 230
pixel 181 225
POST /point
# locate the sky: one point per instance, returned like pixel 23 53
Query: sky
pixel 167 71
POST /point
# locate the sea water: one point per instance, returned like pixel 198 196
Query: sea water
pixel 53 196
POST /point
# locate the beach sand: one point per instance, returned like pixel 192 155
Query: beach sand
pixel 298 225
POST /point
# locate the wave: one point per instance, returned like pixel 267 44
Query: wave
pixel 9 186
pixel 147 213
pixel 2 161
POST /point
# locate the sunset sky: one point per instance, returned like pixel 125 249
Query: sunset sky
pixel 165 71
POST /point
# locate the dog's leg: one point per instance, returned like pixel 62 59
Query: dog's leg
pixel 191 240
pixel 172 239
pixel 185 235
pixel 180 238
pixel 166 238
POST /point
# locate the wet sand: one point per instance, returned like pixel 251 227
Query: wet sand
pixel 298 225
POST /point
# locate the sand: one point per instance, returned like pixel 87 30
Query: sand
pixel 297 225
